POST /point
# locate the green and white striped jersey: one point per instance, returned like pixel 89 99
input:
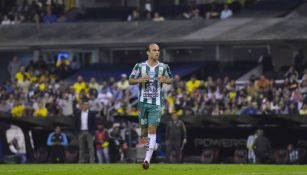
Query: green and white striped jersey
pixel 151 91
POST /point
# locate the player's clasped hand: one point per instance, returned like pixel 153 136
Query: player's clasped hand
pixel 162 79
pixel 143 79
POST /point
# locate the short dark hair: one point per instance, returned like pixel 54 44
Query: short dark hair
pixel 147 48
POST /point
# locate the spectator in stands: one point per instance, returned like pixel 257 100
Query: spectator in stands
pixel 216 110
pixel 263 84
pixel 79 85
pixel 187 14
pixel 4 107
pixel 134 16
pixel 176 81
pixel 110 83
pixel 15 149
pixel 192 84
pixel 41 110
pixel 303 87
pixel 283 108
pixel 24 85
pixel 176 138
pixel 123 83
pixel 85 125
pixel 296 95
pixel 293 155
pixel 93 84
pixel 250 88
pixel 66 104
pixel 303 111
pixel 37 19
pixel 291 72
pixel 57 141
pixel 105 97
pixel 212 13
pixel 148 5
pixel 157 17
pixel 133 91
pixel 16 20
pixel 148 16
pixel 49 17
pixel 117 93
pixel 252 109
pixel 262 147
pixel 22 19
pixel 226 12
pixel 266 108
pixel 13 67
pixel 293 84
pixel 196 14
pixel 95 105
pixel 102 144
pixel 6 20
pixel 293 109
pixel 21 74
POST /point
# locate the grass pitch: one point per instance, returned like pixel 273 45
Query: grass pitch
pixel 155 169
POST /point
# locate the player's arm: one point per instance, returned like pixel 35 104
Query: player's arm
pixel 135 76
pixel 167 76
pixel 165 80
pixel 133 81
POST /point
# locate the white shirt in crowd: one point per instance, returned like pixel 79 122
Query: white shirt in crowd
pixel 226 14
pixel 6 22
pixel 84 120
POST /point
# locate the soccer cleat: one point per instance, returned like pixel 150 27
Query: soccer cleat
pixel 145 165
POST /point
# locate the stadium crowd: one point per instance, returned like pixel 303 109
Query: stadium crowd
pixel 213 11
pixel 51 11
pixel 35 12
pixel 39 89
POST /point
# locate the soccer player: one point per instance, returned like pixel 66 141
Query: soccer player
pixel 150 75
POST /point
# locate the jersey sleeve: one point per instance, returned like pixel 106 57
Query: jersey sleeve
pixel 135 72
pixel 167 72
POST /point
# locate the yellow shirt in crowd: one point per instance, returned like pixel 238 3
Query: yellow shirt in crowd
pixel 192 85
pixel 78 87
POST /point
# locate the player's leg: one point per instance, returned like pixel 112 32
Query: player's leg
pixel 144 133
pixel 143 120
pixel 154 117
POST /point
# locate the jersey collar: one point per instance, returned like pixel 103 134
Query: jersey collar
pixel 152 66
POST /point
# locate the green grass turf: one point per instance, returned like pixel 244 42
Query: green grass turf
pixel 155 169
